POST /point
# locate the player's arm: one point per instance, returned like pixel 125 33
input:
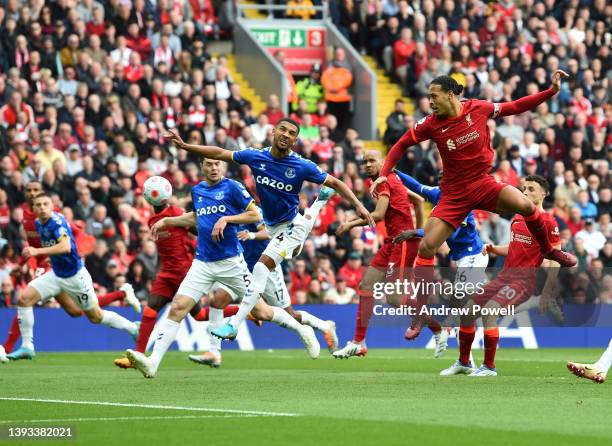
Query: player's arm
pixel 61 247
pixel 419 210
pixel 250 215
pixel 532 101
pixel 379 214
pixel 431 194
pixel 187 220
pixel 212 152
pixel 346 193
pixel 395 154
pixel 498 250
pixel 261 234
pixel 548 292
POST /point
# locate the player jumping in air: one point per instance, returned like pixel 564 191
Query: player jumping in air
pixel 175 259
pixel 595 372
pixel 392 261
pixel 279 173
pixel 220 204
pixel 67 277
pixel 513 285
pixel 459 129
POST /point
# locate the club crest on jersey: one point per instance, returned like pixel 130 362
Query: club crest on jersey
pixel 290 172
pixel 468 119
pixel 450 144
pixel 219 195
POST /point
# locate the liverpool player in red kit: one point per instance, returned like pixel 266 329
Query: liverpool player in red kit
pixel 459 129
pixel 392 261
pixel 175 256
pixel 37 265
pixel 513 286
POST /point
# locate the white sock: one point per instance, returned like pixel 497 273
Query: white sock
pixel 114 320
pixel 167 333
pixel 215 319
pixel 313 321
pixel 284 319
pixel 25 317
pixel 605 362
pixel 532 302
pixel 312 213
pixel 260 277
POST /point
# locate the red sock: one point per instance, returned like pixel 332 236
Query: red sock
pixel 536 226
pixel 466 338
pixel 364 313
pixel 202 315
pixel 228 311
pixel 491 338
pixel 147 323
pixel 13 335
pixel 106 299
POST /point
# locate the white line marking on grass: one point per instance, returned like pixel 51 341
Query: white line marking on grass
pixel 155 406
pixel 74 420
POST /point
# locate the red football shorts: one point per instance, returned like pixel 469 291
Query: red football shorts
pixel 166 285
pixel 504 292
pixel 481 194
pixel 396 257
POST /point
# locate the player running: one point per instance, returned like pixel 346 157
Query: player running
pixel 459 129
pixel 279 174
pixel 595 372
pixel 220 204
pixel 465 249
pixel 175 257
pixel 513 285
pixel 254 240
pixel 392 261
pixel 68 276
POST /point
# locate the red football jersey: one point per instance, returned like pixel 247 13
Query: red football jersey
pixel 29 226
pixel 524 250
pixel 463 142
pixel 175 254
pixel 398 217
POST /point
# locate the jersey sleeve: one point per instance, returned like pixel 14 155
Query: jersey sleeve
pixel 313 173
pixel 241 196
pixel 245 156
pixel 59 231
pixel 432 194
pixel 383 189
pixel 421 130
pixel 489 109
pixel 554 237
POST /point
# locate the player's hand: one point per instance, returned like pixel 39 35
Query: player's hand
pixel 217 232
pixel 156 229
pixel 172 136
pixel 406 235
pixel 556 79
pixel 344 227
pixel 375 184
pixel 243 235
pixel 365 214
pixel 29 251
pixel 487 248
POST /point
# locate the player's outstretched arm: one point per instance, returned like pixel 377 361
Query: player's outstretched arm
pixel 498 250
pixel 532 101
pixel 395 154
pixel 186 220
pixel 261 234
pixel 377 215
pixel 62 247
pixel 431 194
pixel 213 152
pixel 346 193
pixel 250 215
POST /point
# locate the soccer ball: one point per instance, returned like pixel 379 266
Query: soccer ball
pixel 157 191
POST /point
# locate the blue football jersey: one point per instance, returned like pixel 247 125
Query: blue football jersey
pixel 63 265
pixel 465 241
pixel 252 248
pixel 210 203
pixel 279 181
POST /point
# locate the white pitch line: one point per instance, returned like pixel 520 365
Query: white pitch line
pixel 74 420
pixel 154 406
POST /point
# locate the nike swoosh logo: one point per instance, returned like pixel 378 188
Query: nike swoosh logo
pixel 444 130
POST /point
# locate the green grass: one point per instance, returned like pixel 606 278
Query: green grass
pixel 389 397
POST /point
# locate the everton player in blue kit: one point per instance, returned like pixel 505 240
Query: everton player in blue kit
pixel 220 205
pixel 68 276
pixel 279 174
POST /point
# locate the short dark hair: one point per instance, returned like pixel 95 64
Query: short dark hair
pixel 543 182
pixel 42 195
pixel 447 83
pixel 290 121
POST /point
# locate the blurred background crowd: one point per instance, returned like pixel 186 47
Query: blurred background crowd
pixel 87 88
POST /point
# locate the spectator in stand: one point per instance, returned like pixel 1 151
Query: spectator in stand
pixel 336 80
pixel 593 239
pixel 299 278
pixel 310 89
pixel 300 9
pixel 273 110
pixel 353 270
pixel 396 125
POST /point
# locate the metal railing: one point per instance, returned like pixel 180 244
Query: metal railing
pixel 320 10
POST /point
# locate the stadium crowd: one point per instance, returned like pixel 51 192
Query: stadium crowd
pixel 87 88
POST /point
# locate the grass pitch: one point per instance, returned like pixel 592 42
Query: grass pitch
pixel 282 397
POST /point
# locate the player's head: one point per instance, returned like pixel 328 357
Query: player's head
pixel 536 188
pixel 32 189
pixel 372 162
pixel 443 91
pixel 286 133
pixel 213 169
pixel 43 206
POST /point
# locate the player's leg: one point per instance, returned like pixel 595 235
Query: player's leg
pixel 69 305
pixel 595 372
pixel 125 293
pixel 311 213
pixel 491 339
pixel 467 333
pixel 13 335
pixel 512 200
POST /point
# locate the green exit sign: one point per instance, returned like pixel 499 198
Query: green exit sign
pixel 281 38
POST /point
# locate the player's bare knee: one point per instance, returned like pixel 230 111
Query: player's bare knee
pixel 28 297
pixel 268 261
pixel 427 248
pixel 220 299
pixel 74 312
pixel 95 316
